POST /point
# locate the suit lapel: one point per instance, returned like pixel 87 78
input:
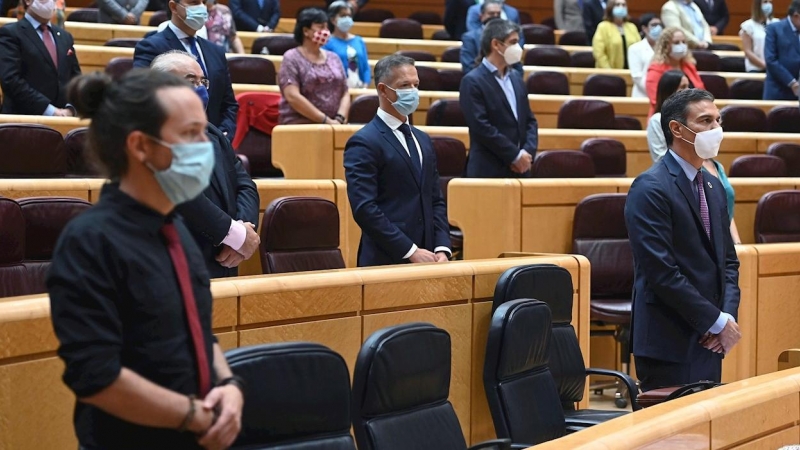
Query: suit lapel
pixel 389 136
pixel 218 175
pixel 493 85
pixel 61 49
pixel 686 188
pixel 33 36
pixel 792 36
pixel 716 222
pixel 522 98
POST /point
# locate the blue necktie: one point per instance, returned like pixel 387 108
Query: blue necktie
pixel 413 153
pixel 193 47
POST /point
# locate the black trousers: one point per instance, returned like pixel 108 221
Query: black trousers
pixel 654 373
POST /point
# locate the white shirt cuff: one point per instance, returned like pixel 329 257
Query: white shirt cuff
pixel 411 252
pixel 49 111
pixel 237 233
pixel 261 28
pixel 720 323
pixel 443 249
pixel 519 155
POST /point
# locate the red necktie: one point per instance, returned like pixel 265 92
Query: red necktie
pixel 182 271
pixel 49 43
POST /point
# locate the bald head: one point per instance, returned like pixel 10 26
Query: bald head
pixel 178 63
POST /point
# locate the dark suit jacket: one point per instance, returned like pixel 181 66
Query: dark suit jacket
pixel 231 195
pixel 682 280
pixel 248 16
pixel 394 206
pixel 782 57
pixel 222 105
pixel 28 77
pixel 593 14
pixel 717 16
pixel 495 136
pixel 455 17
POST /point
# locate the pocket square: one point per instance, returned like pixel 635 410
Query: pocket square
pixel 69 52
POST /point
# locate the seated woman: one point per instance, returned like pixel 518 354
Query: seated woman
pixel 613 37
pixel 753 33
pixel 221 29
pixel 312 80
pixel 670 53
pixel 350 48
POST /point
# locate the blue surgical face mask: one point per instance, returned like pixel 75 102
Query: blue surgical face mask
pixel 196 16
pixel 202 92
pixel 620 12
pixel 407 100
pixel 655 32
pixel 766 8
pixel 344 24
pixel 190 172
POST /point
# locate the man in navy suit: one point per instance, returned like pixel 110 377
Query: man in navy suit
pixel 471 40
pixel 37 61
pixel 716 14
pixel 594 12
pixel 255 15
pixel 188 16
pixel 686 281
pixel 224 219
pixel 474 16
pixel 392 179
pixel 782 56
pixel 503 131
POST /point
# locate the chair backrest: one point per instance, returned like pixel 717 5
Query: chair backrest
pixel 450 79
pixel 298 396
pixel 548 83
pixel 526 18
pixel 562 164
pixel 31 151
pixel 445 112
pixel 300 234
pixel 716 84
pixel 547 56
pixel 599 233
pixel 747 89
pixel 429 79
pixel 246 70
pixel 452 54
pixel 13 274
pixel 580 113
pixel 79 162
pixel 418 55
pixel 426 17
pixel 574 38
pixel 400 387
pixel 732 64
pixel 256 140
pixel 277 44
pixel 778 217
pixel 552 285
pixel 724 47
pixel 784 119
pixel 538 34
pixel 582 59
pixel 790 154
pixel 157 18
pixel 363 108
pixel 743 119
pixel 599 84
pixel 608 155
pixel 119 66
pixel 451 158
pixel 441 35
pixel 88 15
pixel 623 122
pixel 706 61
pixel 757 166
pixel 122 42
pixel 373 15
pixel 400 29
pixel 522 394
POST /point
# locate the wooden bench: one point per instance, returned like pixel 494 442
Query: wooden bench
pixel 339 309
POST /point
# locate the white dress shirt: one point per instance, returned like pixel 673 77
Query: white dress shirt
pixel 639 56
pixel 394 124
pixel 508 90
pixel 183 38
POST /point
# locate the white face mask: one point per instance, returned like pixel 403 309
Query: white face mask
pixel 513 54
pixel 43 9
pixel 678 51
pixel 706 143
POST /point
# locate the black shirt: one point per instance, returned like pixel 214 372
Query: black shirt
pixel 115 302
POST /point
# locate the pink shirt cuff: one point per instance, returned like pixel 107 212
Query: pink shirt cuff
pixel 236 235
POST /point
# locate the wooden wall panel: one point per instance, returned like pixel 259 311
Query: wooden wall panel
pixel 773 415
pixel 790 436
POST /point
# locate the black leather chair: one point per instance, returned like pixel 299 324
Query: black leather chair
pixel 400 388
pixel 298 397
pixel 553 285
pixel 521 391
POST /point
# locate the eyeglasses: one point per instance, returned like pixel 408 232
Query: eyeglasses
pixel 197 82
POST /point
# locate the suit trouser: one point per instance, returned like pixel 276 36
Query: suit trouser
pixel 654 373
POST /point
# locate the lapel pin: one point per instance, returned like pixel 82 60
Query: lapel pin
pixel 58 33
pixel 709 185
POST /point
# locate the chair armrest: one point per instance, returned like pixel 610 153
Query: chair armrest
pixel 499 444
pixel 633 391
pixel 520 446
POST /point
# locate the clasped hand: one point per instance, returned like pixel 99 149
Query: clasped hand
pixel 724 341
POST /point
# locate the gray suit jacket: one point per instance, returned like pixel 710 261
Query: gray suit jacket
pixel 114 11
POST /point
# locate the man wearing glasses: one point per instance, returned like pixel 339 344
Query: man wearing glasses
pixel 224 219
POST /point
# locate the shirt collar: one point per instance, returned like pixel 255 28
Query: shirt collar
pixel 688 169
pixel 390 120
pixel 127 206
pixel 178 32
pixel 494 70
pixel 36 24
pixel 791 24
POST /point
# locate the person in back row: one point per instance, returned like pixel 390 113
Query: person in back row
pixel 686 15
pixel 471 40
pixel 256 15
pixel 782 57
pixel 350 48
pixel 613 37
pixel 670 53
pixel 754 32
pixel 641 53
pixel 503 131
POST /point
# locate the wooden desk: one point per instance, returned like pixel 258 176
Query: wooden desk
pixel 339 309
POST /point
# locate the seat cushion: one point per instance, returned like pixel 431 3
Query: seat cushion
pixel 611 310
pixel 589 417
pixel 430 428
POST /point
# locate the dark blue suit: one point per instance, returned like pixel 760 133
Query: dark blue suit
pixel 474 16
pixel 471 48
pixel 222 105
pixel 782 56
pixel 682 279
pixel 495 136
pixel 393 204
pixel 248 15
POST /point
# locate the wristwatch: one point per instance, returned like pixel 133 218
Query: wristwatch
pixel 234 380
